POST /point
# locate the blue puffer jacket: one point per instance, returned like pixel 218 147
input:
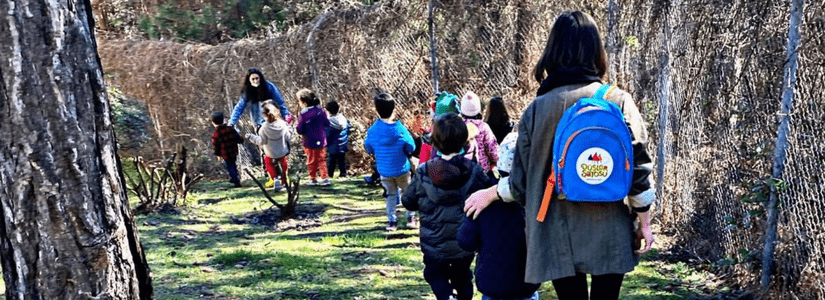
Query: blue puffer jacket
pixel 337 135
pixel 390 143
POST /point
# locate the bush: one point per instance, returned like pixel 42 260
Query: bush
pixel 210 24
pixel 131 122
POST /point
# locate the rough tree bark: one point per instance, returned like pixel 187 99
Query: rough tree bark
pixel 67 231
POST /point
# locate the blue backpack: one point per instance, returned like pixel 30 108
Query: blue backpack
pixel 592 153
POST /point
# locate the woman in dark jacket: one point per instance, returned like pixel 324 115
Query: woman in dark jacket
pixel 576 238
pixel 498 119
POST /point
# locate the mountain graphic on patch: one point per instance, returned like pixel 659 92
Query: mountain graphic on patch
pixel 595 157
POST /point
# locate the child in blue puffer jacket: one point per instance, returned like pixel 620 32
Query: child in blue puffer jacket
pixel 391 143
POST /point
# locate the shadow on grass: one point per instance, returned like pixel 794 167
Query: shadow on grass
pixel 304 276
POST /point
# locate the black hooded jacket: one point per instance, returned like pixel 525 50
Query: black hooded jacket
pixel 438 191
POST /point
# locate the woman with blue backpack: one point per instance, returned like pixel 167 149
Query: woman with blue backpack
pixel 584 187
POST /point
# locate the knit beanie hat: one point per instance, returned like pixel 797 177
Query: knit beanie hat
pixel 470 104
pixel 445 103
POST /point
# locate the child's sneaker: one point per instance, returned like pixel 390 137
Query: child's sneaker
pixel 325 182
pixel 313 182
pixel 270 183
pixel 412 223
pixel 392 226
pixel 368 180
pixel 278 187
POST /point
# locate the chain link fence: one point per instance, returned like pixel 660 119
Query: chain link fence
pixel 707 76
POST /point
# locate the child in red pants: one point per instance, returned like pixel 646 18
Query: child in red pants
pixel 273 137
pixel 312 124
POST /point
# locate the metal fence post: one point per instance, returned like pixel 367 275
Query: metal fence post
pixel 664 98
pixel 433 62
pixel 788 85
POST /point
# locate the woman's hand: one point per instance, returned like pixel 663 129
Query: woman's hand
pixel 480 200
pixel 647 234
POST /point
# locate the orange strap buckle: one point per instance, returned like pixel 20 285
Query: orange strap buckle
pixel 548 195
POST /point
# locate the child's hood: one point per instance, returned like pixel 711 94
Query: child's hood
pixel 308 113
pixel 338 122
pixel 449 175
pixel 275 129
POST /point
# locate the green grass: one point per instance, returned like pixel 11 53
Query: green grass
pixel 202 253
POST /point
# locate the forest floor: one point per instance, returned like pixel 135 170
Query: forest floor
pixel 225 243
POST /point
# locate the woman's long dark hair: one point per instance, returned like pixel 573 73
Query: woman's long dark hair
pixel 255 94
pixel 496 112
pixel 574 46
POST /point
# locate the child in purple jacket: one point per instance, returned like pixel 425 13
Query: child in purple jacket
pixel 312 123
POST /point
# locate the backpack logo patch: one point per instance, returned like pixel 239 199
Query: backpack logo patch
pixel 594 165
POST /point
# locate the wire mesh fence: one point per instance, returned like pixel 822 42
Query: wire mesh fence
pixel 707 75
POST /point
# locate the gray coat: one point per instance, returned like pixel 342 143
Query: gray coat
pixel 592 238
pixel 274 138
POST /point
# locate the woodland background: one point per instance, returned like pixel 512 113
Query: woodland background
pixel 707 75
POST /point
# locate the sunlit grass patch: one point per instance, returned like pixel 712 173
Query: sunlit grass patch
pixel 206 252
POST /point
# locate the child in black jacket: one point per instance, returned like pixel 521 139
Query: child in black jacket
pixel 498 236
pixel 438 191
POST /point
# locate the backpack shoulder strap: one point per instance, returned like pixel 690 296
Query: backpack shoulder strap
pixel 604 91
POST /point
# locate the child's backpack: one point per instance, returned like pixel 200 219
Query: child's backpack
pixel 471 148
pixel 592 153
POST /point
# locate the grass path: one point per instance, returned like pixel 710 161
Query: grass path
pixel 336 249
pixel 220 246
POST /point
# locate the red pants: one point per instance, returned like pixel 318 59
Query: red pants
pixel 316 162
pixel 273 170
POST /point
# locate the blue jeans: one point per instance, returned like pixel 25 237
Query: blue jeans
pixel 232 168
pixel 535 296
pixel 255 113
pixel 393 185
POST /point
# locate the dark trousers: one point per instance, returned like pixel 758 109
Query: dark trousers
pixel 232 168
pixel 446 275
pixel 602 287
pixel 339 160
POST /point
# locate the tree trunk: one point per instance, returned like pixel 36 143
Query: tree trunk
pixel 67 231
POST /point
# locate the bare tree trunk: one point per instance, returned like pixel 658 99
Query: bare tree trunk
pixel 67 231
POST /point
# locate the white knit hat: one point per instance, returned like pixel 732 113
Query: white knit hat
pixel 470 104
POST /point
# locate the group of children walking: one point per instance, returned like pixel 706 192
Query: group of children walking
pixel 459 155
pixel 463 156
pixel 325 141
